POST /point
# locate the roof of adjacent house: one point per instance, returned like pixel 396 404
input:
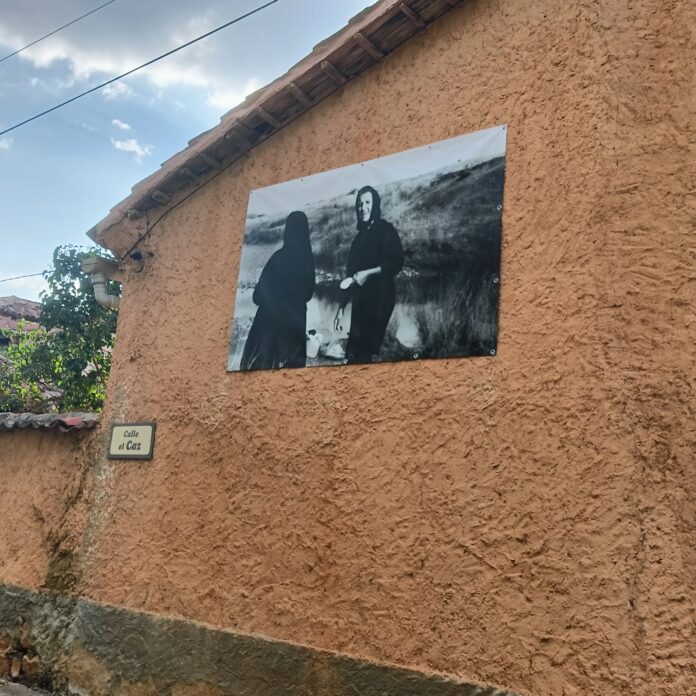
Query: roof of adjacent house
pixel 14 309
pixel 46 421
pixel 366 39
pixel 19 308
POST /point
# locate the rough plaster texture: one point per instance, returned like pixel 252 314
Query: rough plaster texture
pixel 43 475
pixel 525 520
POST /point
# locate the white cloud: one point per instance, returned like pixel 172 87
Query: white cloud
pixel 120 38
pixel 225 99
pixel 52 85
pixel 121 125
pixel 83 58
pixel 133 146
pixel 5 143
pixel 117 90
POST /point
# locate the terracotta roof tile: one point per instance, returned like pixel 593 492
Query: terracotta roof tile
pixel 46 421
pixel 18 308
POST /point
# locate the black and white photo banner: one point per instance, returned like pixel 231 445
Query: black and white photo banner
pixel 397 258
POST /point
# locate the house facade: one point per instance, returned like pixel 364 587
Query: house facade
pixel 519 523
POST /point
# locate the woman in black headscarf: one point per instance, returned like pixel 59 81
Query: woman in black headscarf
pixel 375 257
pixel 278 335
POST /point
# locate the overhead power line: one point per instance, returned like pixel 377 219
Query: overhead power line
pixel 140 67
pixel 30 275
pixel 55 31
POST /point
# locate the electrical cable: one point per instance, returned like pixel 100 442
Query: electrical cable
pixel 171 209
pixel 140 67
pixel 30 275
pixel 152 226
pixel 55 31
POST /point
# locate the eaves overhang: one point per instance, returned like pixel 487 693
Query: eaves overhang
pixel 364 41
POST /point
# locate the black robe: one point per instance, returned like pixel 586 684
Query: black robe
pixel 373 303
pixel 278 334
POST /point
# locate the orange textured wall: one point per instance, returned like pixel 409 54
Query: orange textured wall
pixel 43 479
pixel 523 520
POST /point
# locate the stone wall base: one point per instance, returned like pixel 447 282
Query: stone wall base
pixel 71 645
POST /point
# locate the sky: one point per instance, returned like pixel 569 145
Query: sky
pixel 62 173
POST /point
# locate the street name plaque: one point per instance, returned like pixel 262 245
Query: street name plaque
pixel 132 441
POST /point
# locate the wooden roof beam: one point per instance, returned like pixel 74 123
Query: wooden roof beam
pixel 244 129
pixel 242 134
pixel 210 160
pixel 134 213
pixel 268 118
pixel 186 173
pixel 300 95
pixel 240 138
pixel 416 19
pixel 160 196
pixel 368 46
pixel 333 72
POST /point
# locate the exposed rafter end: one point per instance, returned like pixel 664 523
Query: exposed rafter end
pixel 333 72
pixel 300 95
pixel 244 129
pixel 268 118
pixel 210 160
pixel 134 213
pixel 160 196
pixel 368 46
pixel 416 19
pixel 239 138
pixel 189 175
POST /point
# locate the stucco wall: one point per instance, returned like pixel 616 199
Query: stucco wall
pixel 524 520
pixel 43 479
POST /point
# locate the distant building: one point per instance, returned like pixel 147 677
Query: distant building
pixel 13 310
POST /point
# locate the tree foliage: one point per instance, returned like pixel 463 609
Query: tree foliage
pixel 22 375
pixel 72 350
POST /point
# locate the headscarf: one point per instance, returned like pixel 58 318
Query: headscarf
pixel 375 213
pixel 297 250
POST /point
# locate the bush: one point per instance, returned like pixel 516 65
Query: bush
pixel 24 371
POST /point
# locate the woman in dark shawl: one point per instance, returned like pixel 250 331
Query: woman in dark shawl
pixel 278 335
pixel 375 257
